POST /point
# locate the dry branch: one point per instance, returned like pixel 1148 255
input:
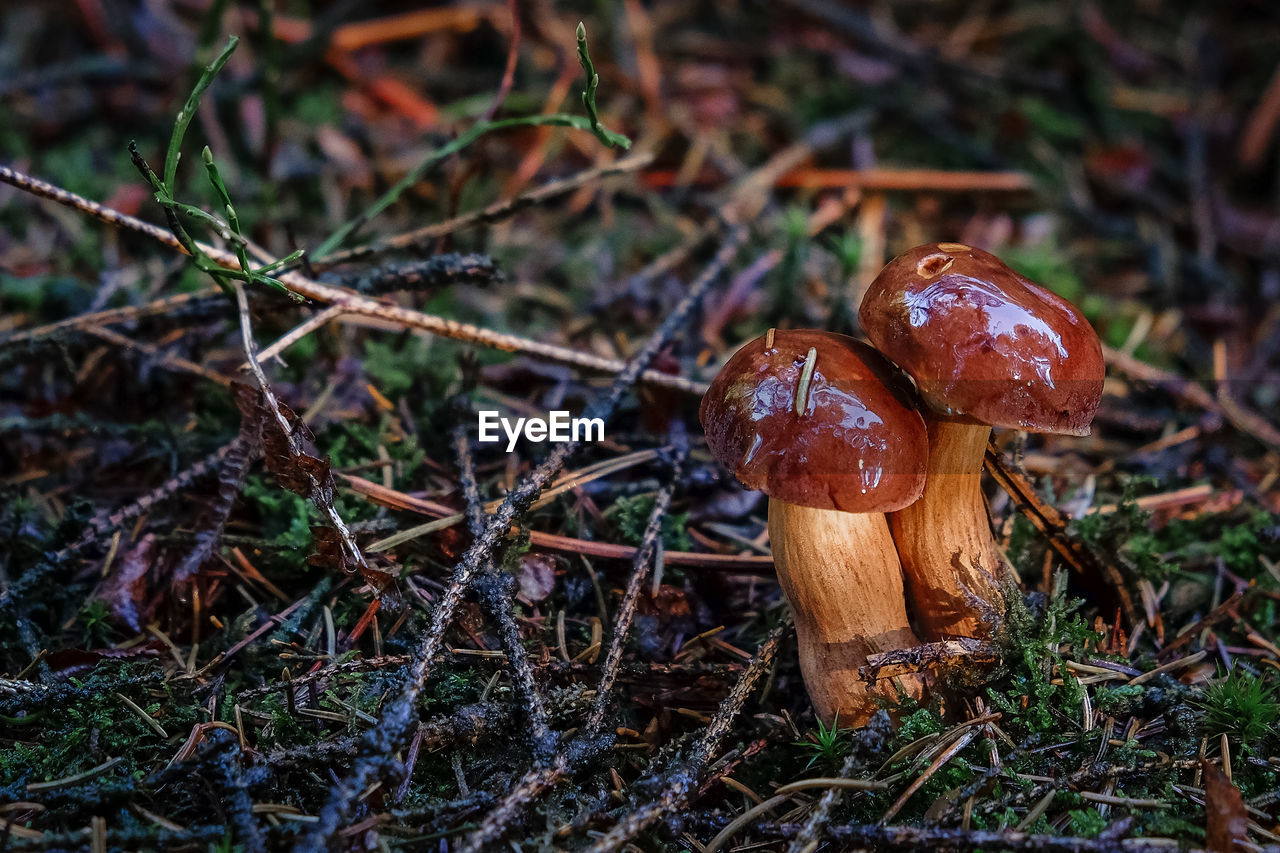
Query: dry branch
pixel 400 714
pixel 555 768
pixel 496 591
pixel 746 563
pixel 352 303
pixel 493 213
pixel 679 783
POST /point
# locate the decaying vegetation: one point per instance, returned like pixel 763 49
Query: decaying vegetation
pixel 260 588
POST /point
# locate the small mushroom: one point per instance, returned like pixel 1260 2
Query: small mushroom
pixel 986 347
pixel 809 418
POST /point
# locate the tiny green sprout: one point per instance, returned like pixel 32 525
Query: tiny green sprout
pixel 829 743
pixel 795 224
pixel 188 111
pixel 96 622
pixel 1241 705
pixel 248 274
pixel 848 251
pixel 589 95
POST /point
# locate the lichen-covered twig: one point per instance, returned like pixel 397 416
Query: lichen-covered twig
pixel 423 275
pixel 680 781
pixel 649 543
pixel 401 713
pixel 495 590
pixel 223 758
pixel 103 524
pixel 553 769
pixel 235 466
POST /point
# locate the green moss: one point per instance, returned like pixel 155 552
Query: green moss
pixel 286 518
pixel 1033 658
pixel 1243 706
pixel 825 746
pixel 631 515
pixel 1126 534
pixel 918 724
pixel 1086 823
pixel 95 623
pixel 452 689
pixel 1168 823
pixel 1118 700
pixel 98 724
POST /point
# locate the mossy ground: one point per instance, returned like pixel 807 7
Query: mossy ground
pixel 196 714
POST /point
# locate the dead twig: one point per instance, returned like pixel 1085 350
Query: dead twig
pixel 164 359
pixel 352 303
pixel 547 773
pixel 1053 526
pixel 298 332
pixel 320 492
pixel 493 213
pixel 680 781
pixel 965 651
pixel 750 563
pixel 97 319
pixel 496 592
pixel 390 733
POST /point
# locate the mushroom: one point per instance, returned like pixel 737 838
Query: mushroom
pixel 813 420
pixel 986 347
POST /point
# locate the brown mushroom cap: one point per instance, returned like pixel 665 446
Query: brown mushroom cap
pixel 984 343
pixel 856 446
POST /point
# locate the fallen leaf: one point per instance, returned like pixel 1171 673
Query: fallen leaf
pixel 1226 822
pixel 125 588
pixel 69 662
pixel 537 576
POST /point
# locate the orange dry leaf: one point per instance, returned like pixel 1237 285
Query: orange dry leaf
pixel 1226 822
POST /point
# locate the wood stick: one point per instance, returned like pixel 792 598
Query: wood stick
pixel 354 303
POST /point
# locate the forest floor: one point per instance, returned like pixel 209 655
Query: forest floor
pixel 295 604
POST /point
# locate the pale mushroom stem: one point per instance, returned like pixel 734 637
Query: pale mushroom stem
pixel 840 572
pixel 952 563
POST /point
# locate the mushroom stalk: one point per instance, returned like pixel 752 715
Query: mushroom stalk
pixel 841 574
pixel 952 563
pixel 812 419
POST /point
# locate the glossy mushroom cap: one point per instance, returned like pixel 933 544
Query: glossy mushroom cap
pixel 983 343
pixel 855 445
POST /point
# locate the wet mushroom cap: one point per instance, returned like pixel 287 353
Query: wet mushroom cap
pixel 983 343
pixel 855 446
